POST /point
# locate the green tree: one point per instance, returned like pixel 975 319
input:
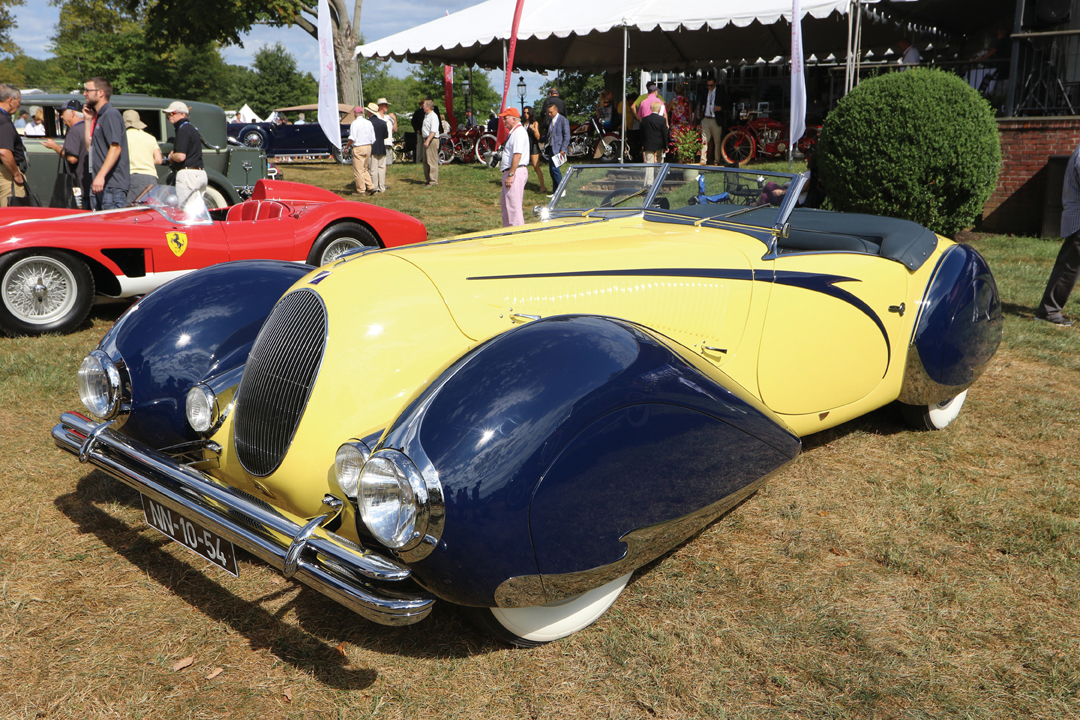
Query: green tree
pixel 921 145
pixel 196 21
pixel 580 91
pixel 277 83
pixel 28 72
pixel 103 37
pixel 427 81
pixel 7 24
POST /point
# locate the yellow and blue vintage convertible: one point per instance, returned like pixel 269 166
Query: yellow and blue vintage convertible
pixel 515 421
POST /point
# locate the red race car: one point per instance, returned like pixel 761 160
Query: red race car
pixel 53 262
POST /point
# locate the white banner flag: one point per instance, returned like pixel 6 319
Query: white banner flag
pixel 328 104
pixel 797 124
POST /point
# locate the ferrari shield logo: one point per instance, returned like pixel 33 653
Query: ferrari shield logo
pixel 177 242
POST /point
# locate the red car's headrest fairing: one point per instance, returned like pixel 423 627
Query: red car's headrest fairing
pixel 284 190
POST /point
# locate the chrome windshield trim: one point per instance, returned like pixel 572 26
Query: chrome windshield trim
pixel 790 202
pixel 328 563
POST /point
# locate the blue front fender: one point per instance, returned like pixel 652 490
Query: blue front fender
pixel 556 439
pixel 188 329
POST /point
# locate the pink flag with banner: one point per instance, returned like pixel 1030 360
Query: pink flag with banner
pixel 448 96
pixel 797 124
pixel 448 93
pixel 328 104
pixel 510 63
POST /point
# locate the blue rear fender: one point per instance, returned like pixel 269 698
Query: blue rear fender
pixel 191 328
pixel 557 439
pixel 959 328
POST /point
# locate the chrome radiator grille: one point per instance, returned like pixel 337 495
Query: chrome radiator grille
pixel 277 381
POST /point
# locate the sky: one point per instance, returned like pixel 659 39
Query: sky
pixel 37 20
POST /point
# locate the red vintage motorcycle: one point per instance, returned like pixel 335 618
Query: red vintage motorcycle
pixel 763 135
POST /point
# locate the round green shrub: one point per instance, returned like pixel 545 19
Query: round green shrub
pixel 921 145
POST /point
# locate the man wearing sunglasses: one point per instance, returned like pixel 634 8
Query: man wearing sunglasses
pixel 108 147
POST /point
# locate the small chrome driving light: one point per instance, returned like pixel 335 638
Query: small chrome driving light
pixel 348 463
pixel 99 385
pixel 201 408
pixel 393 499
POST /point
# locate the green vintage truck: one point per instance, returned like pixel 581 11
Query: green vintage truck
pixel 230 170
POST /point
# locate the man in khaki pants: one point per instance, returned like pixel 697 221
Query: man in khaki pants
pixel 12 151
pixel 430 133
pixel 361 137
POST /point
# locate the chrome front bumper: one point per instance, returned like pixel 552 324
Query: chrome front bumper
pixel 332 565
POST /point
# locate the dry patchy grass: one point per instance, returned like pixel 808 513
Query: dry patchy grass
pixel 886 573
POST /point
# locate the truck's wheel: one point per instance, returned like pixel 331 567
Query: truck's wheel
pixel 214 198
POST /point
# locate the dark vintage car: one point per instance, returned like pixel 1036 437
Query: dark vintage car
pixel 231 171
pixel 515 421
pixel 280 139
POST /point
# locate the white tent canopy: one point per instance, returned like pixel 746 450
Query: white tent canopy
pixel 660 34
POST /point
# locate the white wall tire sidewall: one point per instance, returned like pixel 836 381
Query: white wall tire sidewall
pixel 214 198
pixel 939 417
pixel 545 623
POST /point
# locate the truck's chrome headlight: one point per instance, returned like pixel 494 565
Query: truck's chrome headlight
pixel 394 500
pixel 348 463
pixel 99 385
pixel 201 408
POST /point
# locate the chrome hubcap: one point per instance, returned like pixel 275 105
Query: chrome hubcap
pixel 38 290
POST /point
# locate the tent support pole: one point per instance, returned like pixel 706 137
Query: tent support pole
pixel 622 130
pixel 858 42
pixel 848 59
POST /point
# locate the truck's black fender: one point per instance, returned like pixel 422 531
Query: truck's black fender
pixel 556 439
pixel 193 327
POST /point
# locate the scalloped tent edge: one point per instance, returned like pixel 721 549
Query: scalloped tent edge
pixel 656 34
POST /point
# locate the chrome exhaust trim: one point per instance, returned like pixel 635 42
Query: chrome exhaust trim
pixel 325 562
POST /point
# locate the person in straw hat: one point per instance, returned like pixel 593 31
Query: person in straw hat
pixel 377 162
pixel 144 156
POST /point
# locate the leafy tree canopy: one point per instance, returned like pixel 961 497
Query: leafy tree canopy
pixel 7 24
pixel 581 91
pixel 427 81
pixel 277 83
pixel 200 21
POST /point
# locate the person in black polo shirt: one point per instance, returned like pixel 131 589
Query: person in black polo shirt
pixel 12 152
pixel 108 147
pixel 186 158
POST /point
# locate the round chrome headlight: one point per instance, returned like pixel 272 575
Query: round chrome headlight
pixel 348 463
pixel 99 385
pixel 393 499
pixel 201 408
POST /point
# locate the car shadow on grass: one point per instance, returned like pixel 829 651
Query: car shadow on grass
pixel 314 645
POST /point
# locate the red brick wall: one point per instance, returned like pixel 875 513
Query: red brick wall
pixel 1016 206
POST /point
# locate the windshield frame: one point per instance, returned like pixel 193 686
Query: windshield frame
pixel 662 171
pixel 166 201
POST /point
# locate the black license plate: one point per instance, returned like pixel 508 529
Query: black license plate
pixel 192 535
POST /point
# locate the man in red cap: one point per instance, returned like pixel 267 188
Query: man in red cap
pixel 514 174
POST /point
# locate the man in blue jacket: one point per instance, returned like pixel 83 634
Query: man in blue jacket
pixel 558 144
